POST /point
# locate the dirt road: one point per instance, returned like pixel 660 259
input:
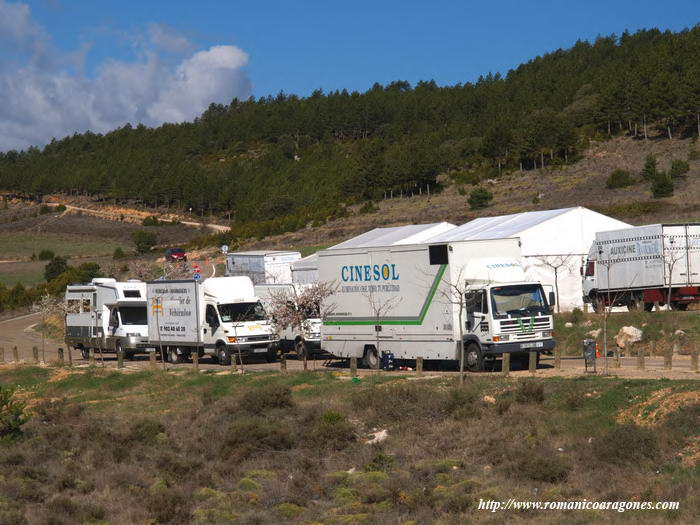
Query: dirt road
pixel 18 332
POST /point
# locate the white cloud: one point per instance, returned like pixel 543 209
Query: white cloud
pixel 44 93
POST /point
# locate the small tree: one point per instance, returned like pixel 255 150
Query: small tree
pixel 671 258
pixel 555 263
pixel 46 255
pixel 144 240
pixel 380 307
pixel 55 267
pixel 619 179
pixel 662 185
pixel 679 168
pixel 649 169
pixel 480 198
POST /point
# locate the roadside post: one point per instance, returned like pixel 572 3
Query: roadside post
pixel 120 358
pixel 532 365
pixel 15 355
pixel 589 355
pixel 419 366
pixel 35 354
pixel 195 361
pixel 283 362
pixel 152 359
pixel 2 354
pixel 505 367
pixel 353 366
pixel 640 356
pixel 61 360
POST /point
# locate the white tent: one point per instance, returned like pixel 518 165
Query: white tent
pixel 553 238
pixel 305 271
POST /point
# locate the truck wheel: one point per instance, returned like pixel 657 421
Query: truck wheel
pixel 635 304
pixel 223 355
pixel 474 358
pixel 648 307
pixel 681 307
pixel 85 353
pixel 301 350
pixel 173 356
pixel 597 304
pixel 271 355
pixel 371 358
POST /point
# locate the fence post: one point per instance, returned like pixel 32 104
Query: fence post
pixel 693 357
pixel 640 356
pixel 195 361
pixel 35 354
pixel 557 357
pixel 120 358
pixel 419 366
pixel 15 354
pixel 505 366
pixel 152 359
pixel 533 363
pixel 61 360
pixel 283 362
pixel 353 366
pixel 668 355
pixel 616 361
pixel 234 364
pixel 306 363
pixel 91 356
pixel 2 354
pixel 70 356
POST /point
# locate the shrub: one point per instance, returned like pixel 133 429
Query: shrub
pixel 662 185
pixel 260 400
pixel 530 392
pixel 575 316
pixel 679 168
pixel 693 154
pixel 118 253
pixel 539 465
pixel 480 198
pixel 619 179
pixel 12 415
pixel 151 220
pixel 332 431
pixel 369 207
pixel 649 169
pixel 462 191
pixel 626 443
pixel 46 255
pixel 60 208
pixel 55 267
pixel 44 209
pixel 144 240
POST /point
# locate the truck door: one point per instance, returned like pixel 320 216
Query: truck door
pixel 113 321
pixel 212 324
pixel 476 308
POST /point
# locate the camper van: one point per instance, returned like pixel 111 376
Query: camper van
pixel 106 316
pixel 419 300
pixel 221 317
pixel 304 341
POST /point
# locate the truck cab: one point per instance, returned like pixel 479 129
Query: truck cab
pixel 235 321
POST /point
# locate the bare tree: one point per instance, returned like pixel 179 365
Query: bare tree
pixel 555 263
pixel 380 306
pixel 671 257
pixel 454 294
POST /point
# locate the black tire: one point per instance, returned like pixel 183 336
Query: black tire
pixel 85 353
pixel 173 356
pixel 597 304
pixel 371 358
pixel 679 307
pixel 635 304
pixel 301 349
pixel 648 307
pixel 474 358
pixel 223 356
pixel 271 355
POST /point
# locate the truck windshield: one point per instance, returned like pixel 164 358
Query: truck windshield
pixel 241 312
pixel 518 300
pixel 132 315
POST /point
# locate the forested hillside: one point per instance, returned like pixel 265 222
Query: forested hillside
pixel 289 160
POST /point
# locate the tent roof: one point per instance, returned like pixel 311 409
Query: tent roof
pixel 499 227
pixel 264 253
pixel 410 234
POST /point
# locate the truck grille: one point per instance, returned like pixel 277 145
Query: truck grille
pixel 525 325
pixel 257 338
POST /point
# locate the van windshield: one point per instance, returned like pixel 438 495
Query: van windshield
pixel 132 315
pixel 518 300
pixel 241 312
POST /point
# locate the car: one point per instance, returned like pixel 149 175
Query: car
pixel 175 255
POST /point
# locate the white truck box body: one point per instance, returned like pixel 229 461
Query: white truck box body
pixel 414 292
pixel 263 267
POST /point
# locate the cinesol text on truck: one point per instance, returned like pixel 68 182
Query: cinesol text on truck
pixel 411 300
pixel 304 340
pixel 637 267
pixel 221 317
pixel 106 316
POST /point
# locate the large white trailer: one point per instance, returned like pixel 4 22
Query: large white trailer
pixel 107 316
pixel 637 267
pixel 263 267
pixel 411 301
pixel 221 317
pixel 303 340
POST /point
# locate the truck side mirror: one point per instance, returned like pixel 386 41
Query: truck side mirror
pixel 552 299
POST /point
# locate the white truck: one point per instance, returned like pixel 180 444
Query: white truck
pixel 304 340
pixel 263 267
pixel 411 301
pixel 107 316
pixel 221 317
pixel 637 267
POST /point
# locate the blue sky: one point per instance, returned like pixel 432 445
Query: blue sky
pixel 73 65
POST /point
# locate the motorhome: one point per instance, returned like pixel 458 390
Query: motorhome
pixel 305 339
pixel 421 300
pixel 220 317
pixel 263 267
pixel 106 316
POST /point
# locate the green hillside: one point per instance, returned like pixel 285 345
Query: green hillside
pixel 289 160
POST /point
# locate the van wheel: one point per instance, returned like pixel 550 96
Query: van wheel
pixel 301 350
pixel 681 307
pixel 648 307
pixel 271 355
pixel 85 353
pixel 474 358
pixel 173 356
pixel 597 304
pixel 223 355
pixel 635 304
pixel 371 358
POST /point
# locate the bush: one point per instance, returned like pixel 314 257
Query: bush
pixel 575 316
pixel 539 465
pixel 332 431
pixel 369 207
pixel 55 267
pixel 480 198
pixel 60 208
pixel 662 186
pixel 530 392
pixel 44 209
pixel 649 170
pixel 679 168
pixel 151 220
pixel 12 415
pixel 260 400
pixel 624 444
pixel 144 240
pixel 46 255
pixel 118 253
pixel 619 179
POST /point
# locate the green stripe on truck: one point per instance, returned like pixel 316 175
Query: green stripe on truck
pixel 405 321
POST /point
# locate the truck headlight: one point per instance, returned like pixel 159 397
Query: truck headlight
pixel 236 339
pixel 547 333
pixel 500 338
